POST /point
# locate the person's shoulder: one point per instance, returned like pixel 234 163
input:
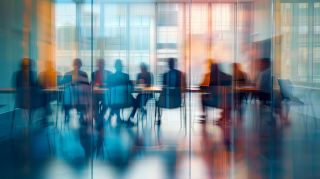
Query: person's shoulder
pixel 108 72
pixel 83 73
pixel 68 73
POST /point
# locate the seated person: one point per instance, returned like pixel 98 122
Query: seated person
pixel 100 78
pixel 77 90
pixel 48 79
pixel 144 78
pixel 120 92
pixel 239 78
pixel 218 79
pixel 25 81
pixel 264 82
pixel 174 82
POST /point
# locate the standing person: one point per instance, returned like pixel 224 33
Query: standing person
pixel 144 78
pixel 100 78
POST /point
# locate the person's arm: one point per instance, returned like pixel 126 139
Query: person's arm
pixel 93 78
pixel 151 79
pixel 183 82
pixel 164 79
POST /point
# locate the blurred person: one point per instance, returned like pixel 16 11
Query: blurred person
pixel 264 81
pixel 100 78
pixel 174 83
pixel 76 75
pixel 206 79
pixel 48 79
pixel 144 78
pixel 120 89
pixel 218 81
pixel 28 95
pixel 77 91
pixel 240 78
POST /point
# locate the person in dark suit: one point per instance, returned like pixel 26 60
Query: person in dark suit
pixel 77 90
pixel 25 81
pixel 120 89
pixel 100 78
pixel 217 97
pixel 76 75
pixel 174 77
pixel 174 83
pixel 29 95
pixel 144 78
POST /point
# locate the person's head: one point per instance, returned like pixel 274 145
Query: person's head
pixel 26 64
pixel 236 67
pixel 77 64
pixel 209 62
pixel 100 64
pixel 143 67
pixel 172 63
pixel 118 65
pixel 49 65
pixel 214 69
pixel 265 63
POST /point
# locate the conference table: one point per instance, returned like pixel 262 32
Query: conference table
pixel 151 89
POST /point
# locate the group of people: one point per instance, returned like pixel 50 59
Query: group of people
pixel 120 87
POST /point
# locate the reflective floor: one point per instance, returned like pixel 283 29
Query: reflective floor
pixel 251 145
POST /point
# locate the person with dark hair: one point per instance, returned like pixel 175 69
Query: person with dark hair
pixel 240 78
pixel 48 79
pixel 77 91
pixel 217 97
pixel 174 77
pixel 144 78
pixel 28 92
pixel 100 79
pixel 264 81
pixel 120 92
pixel 76 75
pixel 174 83
pixel 25 81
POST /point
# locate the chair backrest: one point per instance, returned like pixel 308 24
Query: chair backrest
pixel 29 98
pixel 285 88
pixel 119 96
pixel 219 96
pixel 170 98
pixel 77 94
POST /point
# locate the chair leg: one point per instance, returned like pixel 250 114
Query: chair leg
pixel 12 121
pixel 30 117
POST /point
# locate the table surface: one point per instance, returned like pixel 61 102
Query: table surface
pixel 142 89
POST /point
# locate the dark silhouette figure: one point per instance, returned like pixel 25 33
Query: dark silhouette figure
pixel 100 78
pixel 28 93
pixel 120 89
pixel 219 91
pixel 145 79
pixel 47 80
pixel 77 91
pixel 174 83
pixel 264 81
pixel 240 79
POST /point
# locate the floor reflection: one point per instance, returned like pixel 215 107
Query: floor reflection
pixel 250 146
